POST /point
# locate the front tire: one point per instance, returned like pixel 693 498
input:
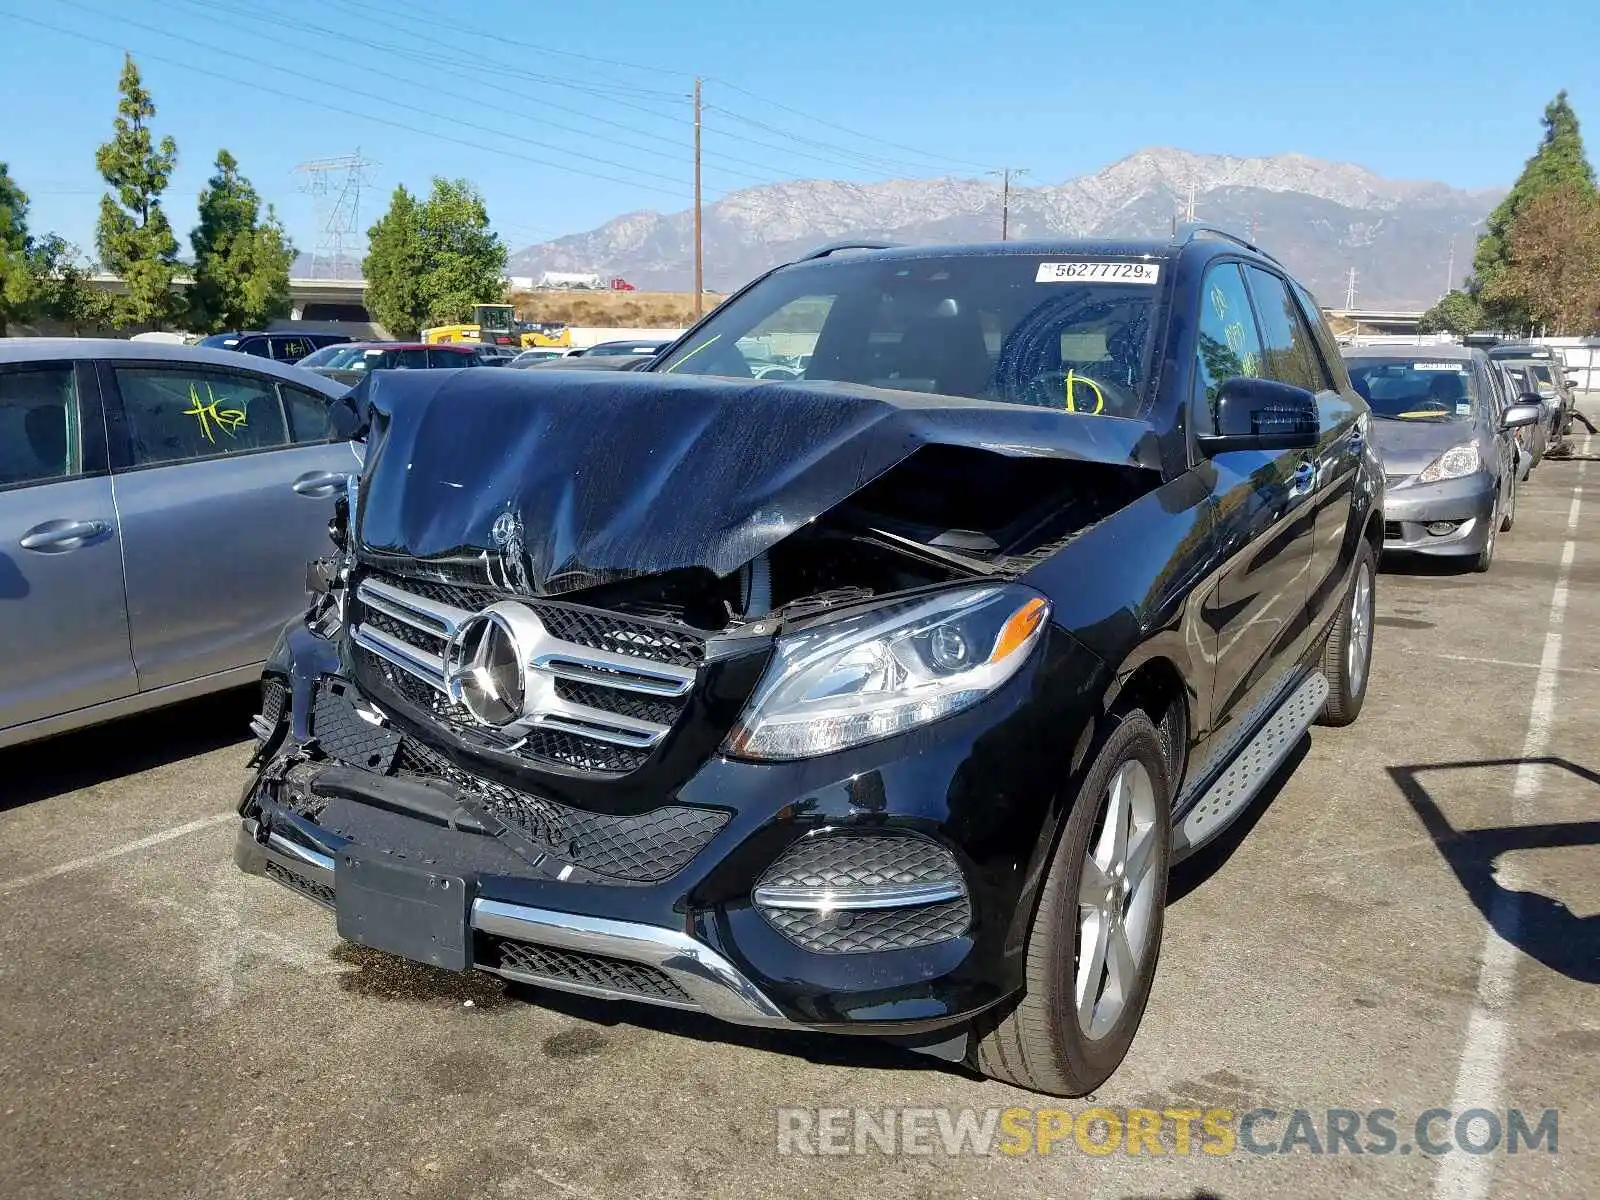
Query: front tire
pixel 1347 654
pixel 1096 936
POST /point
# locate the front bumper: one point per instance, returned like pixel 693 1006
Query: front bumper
pixel 591 955
pixel 981 785
pixel 1467 504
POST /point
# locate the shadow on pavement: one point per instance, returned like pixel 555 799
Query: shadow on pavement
pixel 70 761
pixel 1540 926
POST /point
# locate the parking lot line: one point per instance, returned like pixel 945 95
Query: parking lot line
pixel 94 860
pixel 1478 1075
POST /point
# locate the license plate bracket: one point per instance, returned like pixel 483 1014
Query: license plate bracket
pixel 399 908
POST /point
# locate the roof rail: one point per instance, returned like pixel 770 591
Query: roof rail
pixel 1186 231
pixel 847 244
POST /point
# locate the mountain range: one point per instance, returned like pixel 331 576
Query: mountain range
pixel 1320 218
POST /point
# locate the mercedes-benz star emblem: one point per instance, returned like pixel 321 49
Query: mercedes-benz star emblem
pixel 504 529
pixel 483 669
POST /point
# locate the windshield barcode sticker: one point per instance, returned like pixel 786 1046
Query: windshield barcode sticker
pixel 1098 272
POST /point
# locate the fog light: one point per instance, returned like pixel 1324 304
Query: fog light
pixel 1443 528
pixel 852 893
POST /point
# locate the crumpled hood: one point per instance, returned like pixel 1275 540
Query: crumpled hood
pixel 1409 446
pixel 556 480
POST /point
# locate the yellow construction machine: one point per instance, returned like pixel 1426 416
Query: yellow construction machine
pixel 497 325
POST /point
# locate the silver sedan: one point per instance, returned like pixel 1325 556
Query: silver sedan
pixel 158 506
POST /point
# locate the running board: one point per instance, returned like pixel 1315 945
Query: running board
pixel 1251 766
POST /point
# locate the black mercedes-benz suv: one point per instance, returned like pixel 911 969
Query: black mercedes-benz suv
pixel 876 701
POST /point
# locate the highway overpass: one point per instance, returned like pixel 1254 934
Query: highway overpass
pixel 1374 320
pixel 311 299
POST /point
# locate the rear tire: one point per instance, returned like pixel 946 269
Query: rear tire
pixel 1044 1043
pixel 1347 654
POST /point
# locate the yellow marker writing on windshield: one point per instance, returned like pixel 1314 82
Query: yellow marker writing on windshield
pixel 1074 381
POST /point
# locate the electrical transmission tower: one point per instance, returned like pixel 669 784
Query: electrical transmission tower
pixel 334 185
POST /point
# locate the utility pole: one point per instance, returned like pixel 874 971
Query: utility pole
pixel 1350 290
pixel 1450 271
pixel 1005 174
pixel 1189 208
pixel 699 248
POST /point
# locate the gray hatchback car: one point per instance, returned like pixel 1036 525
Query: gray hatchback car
pixel 158 506
pixel 1445 431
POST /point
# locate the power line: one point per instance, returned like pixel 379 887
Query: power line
pixel 324 105
pixel 433 62
pixel 846 129
pixel 229 52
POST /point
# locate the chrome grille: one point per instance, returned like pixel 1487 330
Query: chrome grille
pixel 602 690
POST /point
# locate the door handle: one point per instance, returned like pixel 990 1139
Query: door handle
pixel 320 484
pixel 57 537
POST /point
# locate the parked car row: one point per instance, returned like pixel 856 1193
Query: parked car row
pixel 1457 438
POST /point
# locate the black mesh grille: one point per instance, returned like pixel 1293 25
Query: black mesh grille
pixel 664 710
pixel 862 860
pixel 864 931
pixel 274 700
pixel 657 641
pixel 409 634
pixel 548 745
pixel 586 970
pixel 319 892
pixel 642 849
pixel 1393 531
pixel 343 735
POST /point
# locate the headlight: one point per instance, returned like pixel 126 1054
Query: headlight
pixel 1452 464
pixel 867 677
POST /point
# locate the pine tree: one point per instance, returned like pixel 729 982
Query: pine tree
pixel 16 279
pixel 1559 162
pixel 133 236
pixel 241 263
pixel 394 266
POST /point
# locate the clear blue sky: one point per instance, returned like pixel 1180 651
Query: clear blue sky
pixel 1434 89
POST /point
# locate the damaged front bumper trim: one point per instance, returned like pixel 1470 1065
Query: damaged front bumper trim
pixel 701 980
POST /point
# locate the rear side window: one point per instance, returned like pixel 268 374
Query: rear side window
pixel 1229 344
pixel 175 414
pixel 308 414
pixel 256 345
pixel 1287 352
pixel 290 349
pixel 451 358
pixel 40 433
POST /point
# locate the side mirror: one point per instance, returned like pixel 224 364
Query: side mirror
pixel 1524 412
pixel 1262 414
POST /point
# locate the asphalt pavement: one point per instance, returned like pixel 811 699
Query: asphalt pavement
pixel 1409 920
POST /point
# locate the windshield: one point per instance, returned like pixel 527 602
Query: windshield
pixel 1415 390
pixel 324 357
pixel 1006 327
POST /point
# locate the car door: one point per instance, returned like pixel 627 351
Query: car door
pixel 63 621
pixel 1255 611
pixel 222 507
pixel 1295 354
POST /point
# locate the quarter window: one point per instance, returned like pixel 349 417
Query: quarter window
pixel 174 414
pixel 1287 354
pixel 40 434
pixel 308 414
pixel 1230 346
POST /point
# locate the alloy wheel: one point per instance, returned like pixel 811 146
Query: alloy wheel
pixel 1358 646
pixel 1116 907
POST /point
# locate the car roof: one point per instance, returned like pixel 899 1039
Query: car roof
pixel 43 349
pixel 1439 352
pixel 453 347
